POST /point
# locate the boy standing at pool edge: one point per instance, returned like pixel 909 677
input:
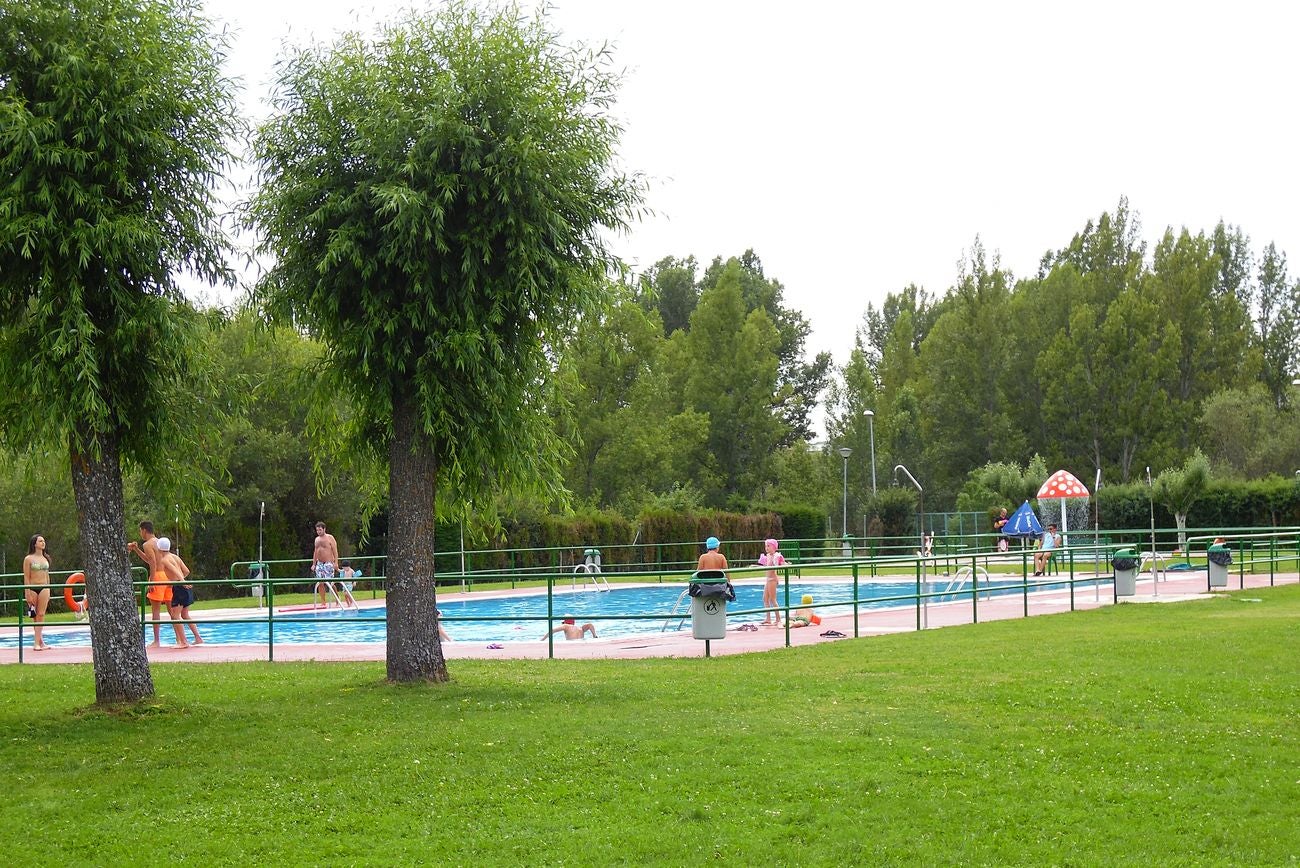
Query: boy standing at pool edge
pixel 160 590
pixel 712 559
pixel 182 594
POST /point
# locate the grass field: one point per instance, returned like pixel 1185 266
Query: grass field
pixel 1137 734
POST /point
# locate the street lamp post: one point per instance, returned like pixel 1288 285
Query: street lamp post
pixel 845 452
pixel 871 429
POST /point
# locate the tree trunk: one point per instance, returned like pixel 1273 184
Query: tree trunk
pixel 116 640
pixel 414 650
pixel 1180 518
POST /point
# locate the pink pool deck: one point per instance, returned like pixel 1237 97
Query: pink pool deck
pixel 1172 588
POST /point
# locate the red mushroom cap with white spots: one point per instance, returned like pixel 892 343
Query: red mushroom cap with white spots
pixel 1062 483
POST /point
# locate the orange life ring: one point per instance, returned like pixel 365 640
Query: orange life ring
pixel 74 604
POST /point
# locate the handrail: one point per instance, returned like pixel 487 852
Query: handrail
pixel 683 595
pixel 1283 547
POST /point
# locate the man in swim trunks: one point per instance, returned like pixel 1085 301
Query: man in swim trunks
pixel 324 560
pixel 160 591
pixel 182 594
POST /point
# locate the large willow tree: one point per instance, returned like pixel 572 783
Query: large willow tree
pixel 114 123
pixel 435 198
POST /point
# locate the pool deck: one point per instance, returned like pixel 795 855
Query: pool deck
pixel 1172 588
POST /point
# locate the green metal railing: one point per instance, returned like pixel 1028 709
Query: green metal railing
pixel 1080 566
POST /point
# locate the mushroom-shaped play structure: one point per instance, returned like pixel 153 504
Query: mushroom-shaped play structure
pixel 1061 486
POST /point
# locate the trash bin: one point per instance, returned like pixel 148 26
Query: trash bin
pixel 1125 562
pixel 1220 558
pixel 257 574
pixel 710 592
pixel 591 557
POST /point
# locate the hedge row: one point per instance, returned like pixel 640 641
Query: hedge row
pixel 801 522
pixel 664 539
pixel 670 539
pixel 1271 502
pixel 542 543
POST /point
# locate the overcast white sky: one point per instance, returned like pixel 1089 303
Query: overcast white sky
pixel 859 147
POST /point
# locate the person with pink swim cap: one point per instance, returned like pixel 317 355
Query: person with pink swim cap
pixel 772 559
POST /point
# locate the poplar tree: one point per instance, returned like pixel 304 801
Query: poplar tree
pixel 114 125
pixel 436 198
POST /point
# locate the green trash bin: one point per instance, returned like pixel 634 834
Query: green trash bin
pixel 1125 562
pixel 710 591
pixel 257 574
pixel 1220 558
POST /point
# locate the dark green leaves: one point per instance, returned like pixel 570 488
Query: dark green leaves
pixel 115 122
pixel 434 197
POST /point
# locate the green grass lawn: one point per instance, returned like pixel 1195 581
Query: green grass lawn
pixel 1137 734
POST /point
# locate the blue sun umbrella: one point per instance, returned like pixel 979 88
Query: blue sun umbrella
pixel 1023 523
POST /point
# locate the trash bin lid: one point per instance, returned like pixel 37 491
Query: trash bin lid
pixel 709 577
pixel 1124 553
pixel 591 551
pixel 1218 547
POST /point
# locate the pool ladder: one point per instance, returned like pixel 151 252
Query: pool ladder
pixel 966 574
pixel 599 581
pixel 338 601
pixel 680 597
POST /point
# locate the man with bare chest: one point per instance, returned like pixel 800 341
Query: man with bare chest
pixel 324 560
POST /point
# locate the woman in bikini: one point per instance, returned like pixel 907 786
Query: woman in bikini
pixel 770 558
pixel 36 581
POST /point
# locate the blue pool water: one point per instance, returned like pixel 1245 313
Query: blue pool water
pixel 611 611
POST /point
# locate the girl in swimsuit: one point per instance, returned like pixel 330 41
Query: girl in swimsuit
pixel 36 579
pixel 770 558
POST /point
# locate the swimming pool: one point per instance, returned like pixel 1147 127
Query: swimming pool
pixel 613 612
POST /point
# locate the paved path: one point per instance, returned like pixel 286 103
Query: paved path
pixel 1173 588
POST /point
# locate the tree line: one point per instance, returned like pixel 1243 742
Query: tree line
pixel 693 388
pixel 717 412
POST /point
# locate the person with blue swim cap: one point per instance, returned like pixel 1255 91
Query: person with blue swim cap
pixel 712 559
